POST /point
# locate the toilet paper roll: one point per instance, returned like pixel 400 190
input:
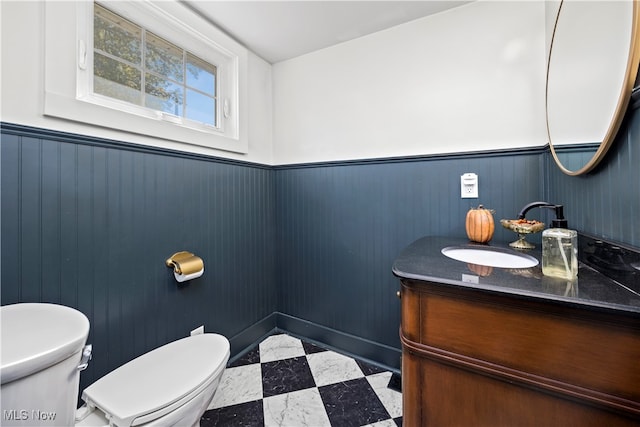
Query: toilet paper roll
pixel 186 266
pixel 184 277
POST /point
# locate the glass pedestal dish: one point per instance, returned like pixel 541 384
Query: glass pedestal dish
pixel 522 227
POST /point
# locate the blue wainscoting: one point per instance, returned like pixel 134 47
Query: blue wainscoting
pixel 307 249
pixel 89 223
pixel 340 227
pixel 605 202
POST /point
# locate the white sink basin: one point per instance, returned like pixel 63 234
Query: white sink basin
pixel 490 256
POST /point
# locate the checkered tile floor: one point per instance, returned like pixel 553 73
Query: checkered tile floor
pixel 288 382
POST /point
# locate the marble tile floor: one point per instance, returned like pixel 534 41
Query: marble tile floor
pixel 285 381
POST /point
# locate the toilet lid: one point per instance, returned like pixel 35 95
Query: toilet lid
pixel 38 335
pixel 160 381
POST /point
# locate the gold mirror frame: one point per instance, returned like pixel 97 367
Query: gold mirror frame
pixel 623 99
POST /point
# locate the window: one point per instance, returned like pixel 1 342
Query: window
pixel 154 69
pixel 139 67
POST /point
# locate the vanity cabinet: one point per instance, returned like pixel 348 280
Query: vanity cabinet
pixel 477 357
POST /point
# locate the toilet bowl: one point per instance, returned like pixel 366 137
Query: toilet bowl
pixel 171 385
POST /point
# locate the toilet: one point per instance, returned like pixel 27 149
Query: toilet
pixel 43 352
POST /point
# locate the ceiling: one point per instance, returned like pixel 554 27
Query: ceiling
pixel 280 30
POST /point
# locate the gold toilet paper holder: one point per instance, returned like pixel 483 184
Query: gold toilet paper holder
pixel 185 263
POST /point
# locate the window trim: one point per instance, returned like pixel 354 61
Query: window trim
pixel 69 73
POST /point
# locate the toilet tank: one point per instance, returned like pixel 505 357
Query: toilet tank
pixel 41 351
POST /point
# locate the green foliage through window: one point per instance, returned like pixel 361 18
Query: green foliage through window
pixel 136 66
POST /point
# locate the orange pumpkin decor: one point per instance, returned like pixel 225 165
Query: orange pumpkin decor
pixel 480 224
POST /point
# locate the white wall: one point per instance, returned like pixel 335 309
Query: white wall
pixel 471 78
pixel 23 88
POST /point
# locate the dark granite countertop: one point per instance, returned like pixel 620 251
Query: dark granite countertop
pixel 423 260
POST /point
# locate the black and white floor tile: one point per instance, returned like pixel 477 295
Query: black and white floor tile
pixel 289 382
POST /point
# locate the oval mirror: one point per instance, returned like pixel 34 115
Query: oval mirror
pixel 591 69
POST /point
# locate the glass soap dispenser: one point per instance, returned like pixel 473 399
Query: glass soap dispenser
pixel 560 248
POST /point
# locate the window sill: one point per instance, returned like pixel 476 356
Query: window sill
pixel 60 106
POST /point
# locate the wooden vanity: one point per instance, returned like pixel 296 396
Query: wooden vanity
pixel 486 354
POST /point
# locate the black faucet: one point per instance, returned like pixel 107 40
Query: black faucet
pixel 559 222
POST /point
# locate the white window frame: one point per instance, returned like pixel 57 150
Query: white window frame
pixel 69 73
